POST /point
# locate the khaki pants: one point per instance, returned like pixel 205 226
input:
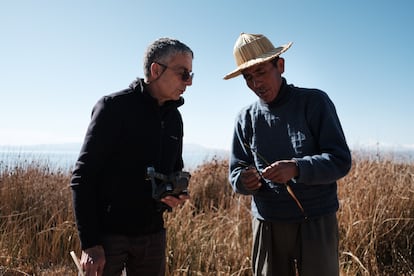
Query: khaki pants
pixel 306 248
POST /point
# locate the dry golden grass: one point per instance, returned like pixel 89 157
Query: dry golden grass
pixel 210 234
pixel 36 223
pixel 377 218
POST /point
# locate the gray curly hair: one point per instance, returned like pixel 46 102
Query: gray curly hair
pixel 161 50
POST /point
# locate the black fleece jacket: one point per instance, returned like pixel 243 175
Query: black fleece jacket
pixel 127 133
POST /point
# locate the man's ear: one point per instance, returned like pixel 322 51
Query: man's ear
pixel 155 70
pixel 281 65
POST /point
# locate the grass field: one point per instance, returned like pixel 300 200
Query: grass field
pixel 210 234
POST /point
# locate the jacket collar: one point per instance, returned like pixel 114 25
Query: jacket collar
pixel 281 98
pixel 139 86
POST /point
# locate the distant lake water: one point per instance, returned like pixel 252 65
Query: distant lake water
pixel 64 160
pixel 64 157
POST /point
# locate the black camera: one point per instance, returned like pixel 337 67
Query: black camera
pixel 163 185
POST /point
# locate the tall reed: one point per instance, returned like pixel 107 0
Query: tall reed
pixel 37 229
pixel 377 218
pixel 211 233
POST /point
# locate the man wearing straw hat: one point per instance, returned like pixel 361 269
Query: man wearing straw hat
pixel 288 151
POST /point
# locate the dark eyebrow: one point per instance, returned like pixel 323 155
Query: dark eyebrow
pixel 258 69
pixel 185 68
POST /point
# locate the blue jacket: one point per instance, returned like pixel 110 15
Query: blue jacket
pixel 300 124
pixel 127 133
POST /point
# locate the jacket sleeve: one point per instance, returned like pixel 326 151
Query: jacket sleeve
pixel 333 159
pixel 241 156
pixel 85 177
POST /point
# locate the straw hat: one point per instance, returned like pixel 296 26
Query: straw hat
pixel 252 49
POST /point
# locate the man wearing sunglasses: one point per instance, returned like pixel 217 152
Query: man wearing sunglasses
pixel 120 224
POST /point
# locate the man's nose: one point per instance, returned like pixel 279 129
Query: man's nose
pixel 189 82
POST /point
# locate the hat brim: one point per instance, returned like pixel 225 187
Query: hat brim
pixel 263 58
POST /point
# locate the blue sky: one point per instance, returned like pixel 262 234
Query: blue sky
pixel 57 58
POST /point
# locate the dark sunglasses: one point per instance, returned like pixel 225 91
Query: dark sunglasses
pixel 185 75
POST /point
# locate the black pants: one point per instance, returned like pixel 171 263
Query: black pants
pixel 308 248
pixel 140 255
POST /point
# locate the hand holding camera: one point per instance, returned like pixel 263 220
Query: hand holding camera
pixel 163 185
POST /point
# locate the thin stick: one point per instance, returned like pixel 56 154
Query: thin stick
pixel 292 194
pixel 76 261
pixel 288 188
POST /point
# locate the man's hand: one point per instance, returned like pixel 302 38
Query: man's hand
pixel 281 171
pixel 93 261
pixel 173 201
pixel 250 178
